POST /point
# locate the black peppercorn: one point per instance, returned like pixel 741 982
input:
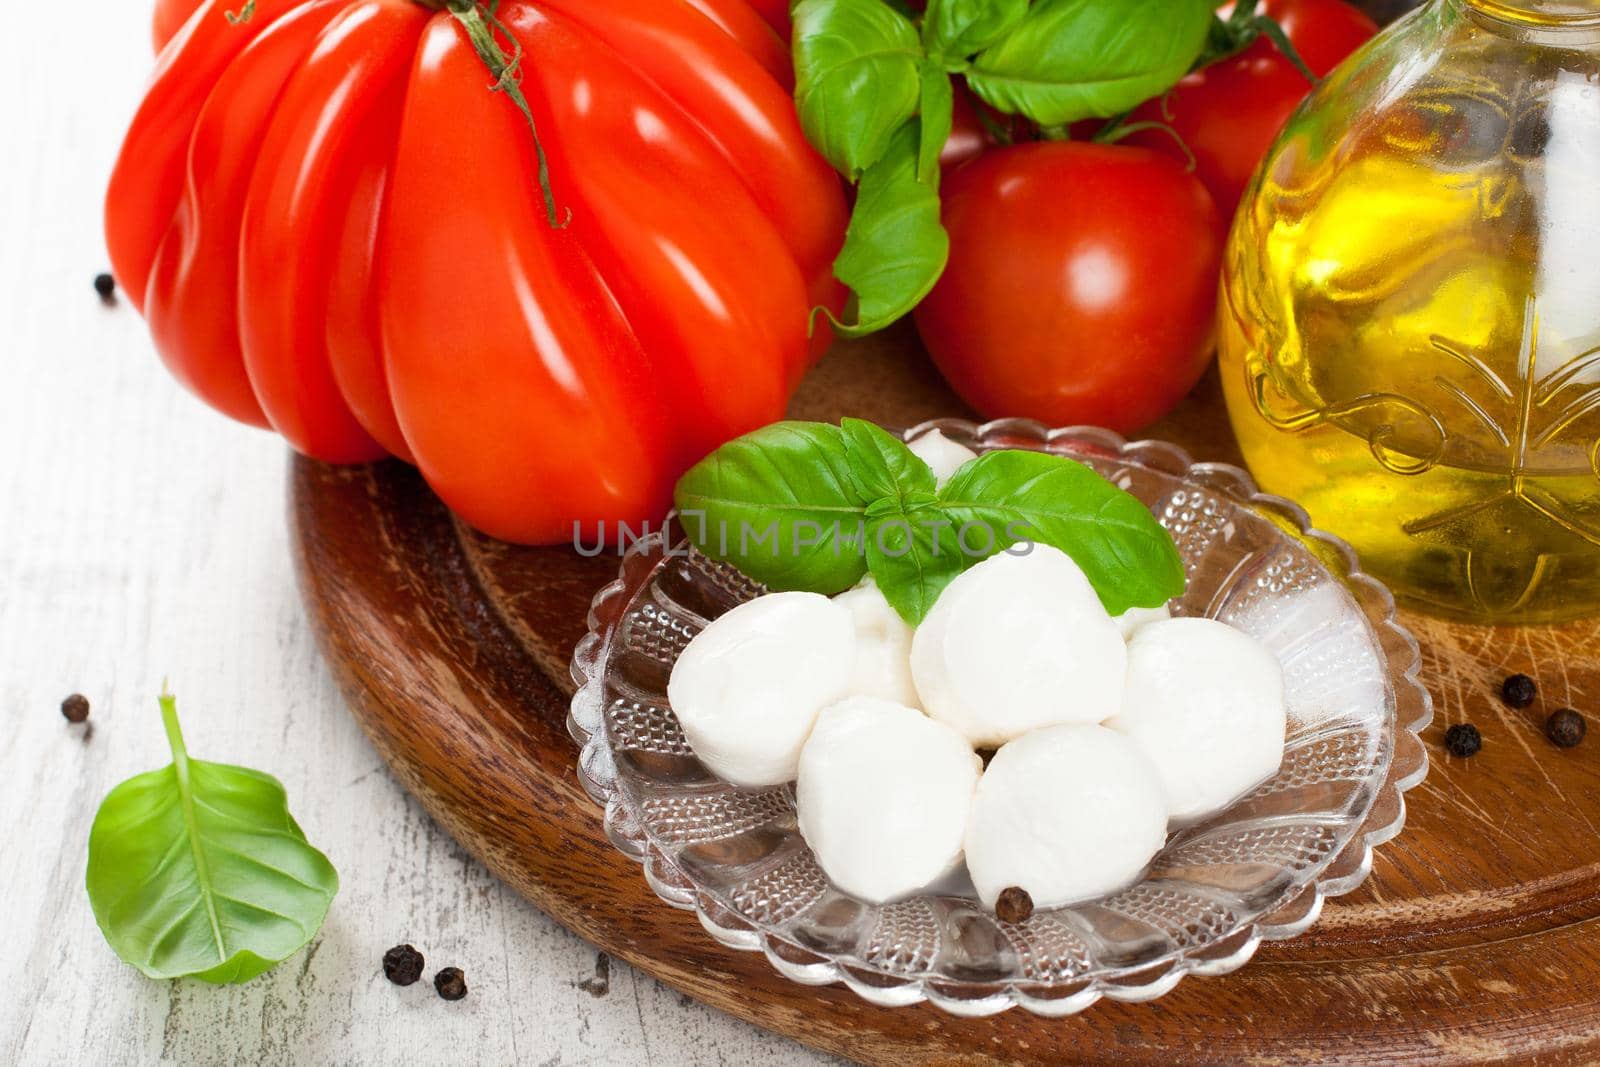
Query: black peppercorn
pixel 75 708
pixel 106 286
pixel 450 983
pixel 1518 691
pixel 1014 905
pixel 402 965
pixel 1565 728
pixel 1463 739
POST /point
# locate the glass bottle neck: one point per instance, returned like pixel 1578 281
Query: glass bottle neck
pixel 1560 23
pixel 1540 14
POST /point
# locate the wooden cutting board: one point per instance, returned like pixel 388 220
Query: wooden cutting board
pixel 1474 939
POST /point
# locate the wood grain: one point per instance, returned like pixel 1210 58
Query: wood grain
pixel 1471 942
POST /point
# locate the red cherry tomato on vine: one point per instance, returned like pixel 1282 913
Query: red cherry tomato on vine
pixel 968 135
pixel 1228 113
pixel 1081 286
pixel 975 127
pixel 1324 32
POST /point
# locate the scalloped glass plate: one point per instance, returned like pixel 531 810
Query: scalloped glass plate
pixel 1258 870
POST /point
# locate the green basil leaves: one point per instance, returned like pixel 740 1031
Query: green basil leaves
pixel 781 504
pixel 894 249
pixel 856 68
pixel 874 93
pixel 814 507
pixel 1128 556
pixel 955 29
pixel 198 870
pixel 1077 59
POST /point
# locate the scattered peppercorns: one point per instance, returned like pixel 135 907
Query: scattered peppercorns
pixel 106 286
pixel 1565 728
pixel 402 965
pixel 1014 905
pixel 1463 739
pixel 1518 691
pixel 75 708
pixel 450 983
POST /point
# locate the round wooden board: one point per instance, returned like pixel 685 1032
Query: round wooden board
pixel 1474 939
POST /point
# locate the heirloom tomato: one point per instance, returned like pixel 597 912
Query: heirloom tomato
pixel 340 223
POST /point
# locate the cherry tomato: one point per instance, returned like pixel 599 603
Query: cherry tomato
pixel 335 228
pixel 968 135
pixel 975 127
pixel 1081 286
pixel 1228 113
pixel 1324 32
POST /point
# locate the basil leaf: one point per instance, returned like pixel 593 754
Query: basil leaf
pixel 881 465
pixel 1076 59
pixel 937 109
pixel 198 870
pixel 1127 555
pixel 954 29
pixel 912 552
pixel 895 248
pixel 781 505
pixel 856 78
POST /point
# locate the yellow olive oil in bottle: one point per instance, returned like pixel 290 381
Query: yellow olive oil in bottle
pixel 1410 319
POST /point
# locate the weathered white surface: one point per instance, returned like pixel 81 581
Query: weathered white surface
pixel 142 536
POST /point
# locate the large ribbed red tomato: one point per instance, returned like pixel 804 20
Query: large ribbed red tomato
pixel 336 228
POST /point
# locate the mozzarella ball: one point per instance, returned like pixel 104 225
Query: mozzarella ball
pixel 1206 702
pixel 1133 618
pixel 1016 643
pixel 748 687
pixel 1067 813
pixel 882 666
pixel 940 453
pixel 883 797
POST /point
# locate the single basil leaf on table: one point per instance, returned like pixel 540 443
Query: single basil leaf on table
pixel 1076 59
pixel 912 552
pixel 1128 556
pixel 857 78
pixel 781 505
pixel 880 463
pixel 936 109
pixel 955 29
pixel 894 248
pixel 198 870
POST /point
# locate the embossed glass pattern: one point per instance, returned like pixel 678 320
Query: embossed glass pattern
pixel 1258 870
pixel 1411 329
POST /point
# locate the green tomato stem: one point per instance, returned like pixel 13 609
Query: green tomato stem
pixel 479 22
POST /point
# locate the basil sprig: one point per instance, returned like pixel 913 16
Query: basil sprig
pixel 198 870
pixel 804 505
pixel 873 90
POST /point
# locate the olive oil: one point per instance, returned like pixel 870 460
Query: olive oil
pixel 1410 322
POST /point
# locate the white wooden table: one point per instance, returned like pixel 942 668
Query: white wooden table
pixel 142 536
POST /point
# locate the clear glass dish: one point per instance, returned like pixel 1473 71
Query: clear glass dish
pixel 1258 870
